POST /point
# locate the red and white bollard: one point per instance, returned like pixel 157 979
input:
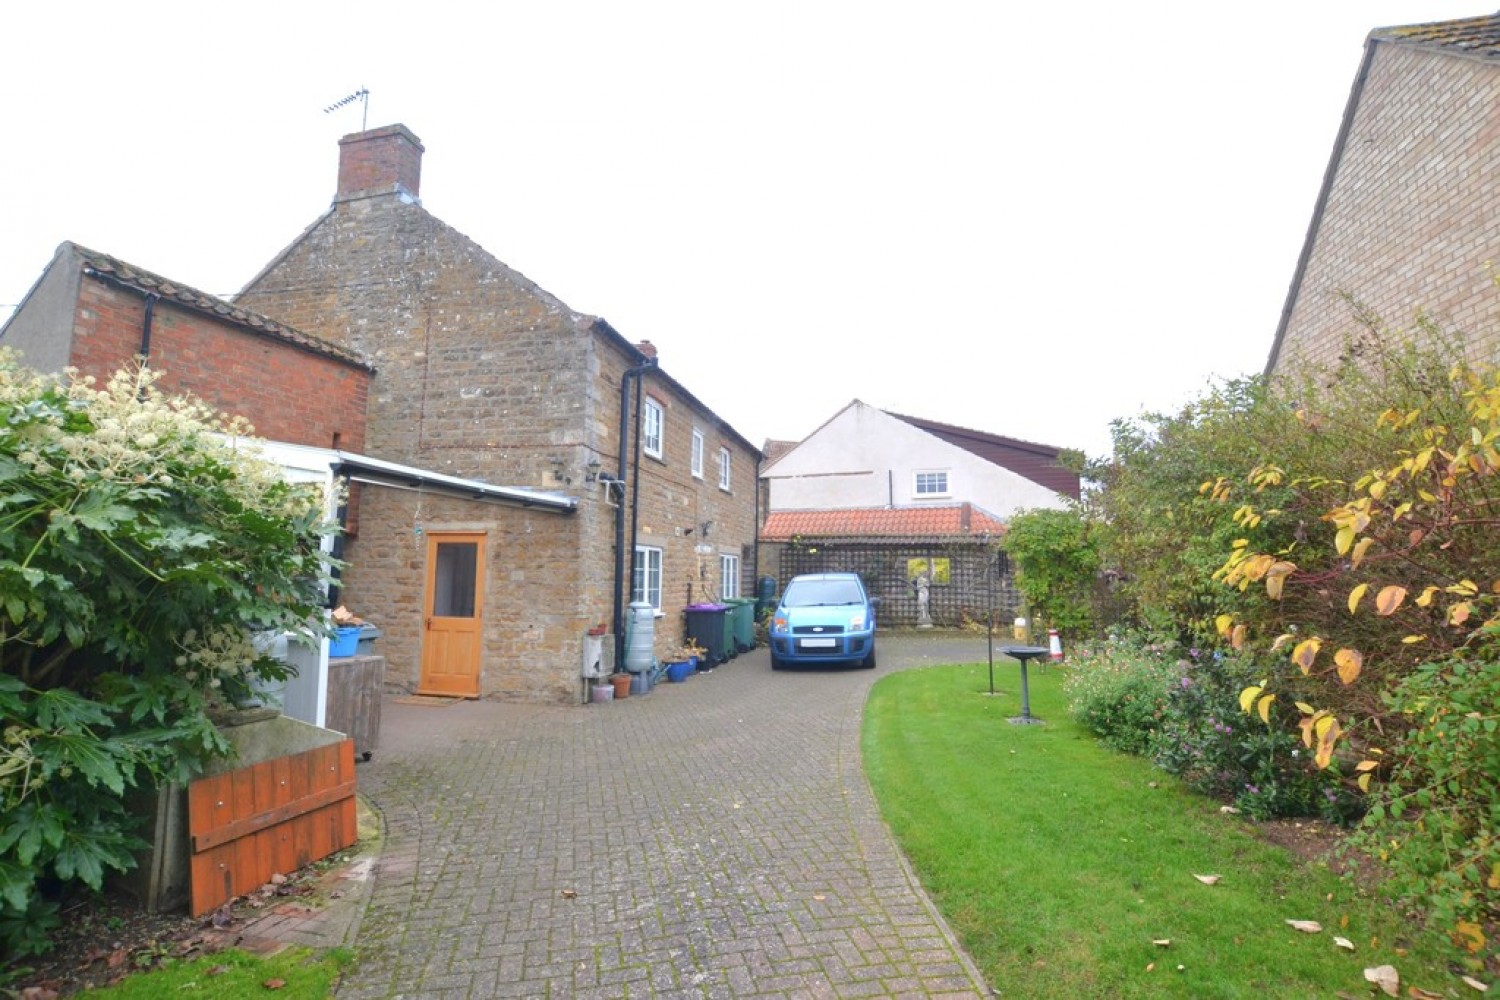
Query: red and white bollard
pixel 1054 645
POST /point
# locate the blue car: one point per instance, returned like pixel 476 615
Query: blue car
pixel 824 618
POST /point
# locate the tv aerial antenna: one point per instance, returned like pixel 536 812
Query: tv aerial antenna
pixel 362 95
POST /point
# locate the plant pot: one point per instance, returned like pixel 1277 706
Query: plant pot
pixel 678 672
pixel 621 684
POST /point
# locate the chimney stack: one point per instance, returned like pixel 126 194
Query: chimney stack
pixel 381 161
pixel 647 348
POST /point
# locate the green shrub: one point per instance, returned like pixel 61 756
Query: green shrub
pixel 1436 822
pixel 1118 690
pixel 1057 563
pixel 139 554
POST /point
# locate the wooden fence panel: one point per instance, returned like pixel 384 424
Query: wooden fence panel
pixel 276 816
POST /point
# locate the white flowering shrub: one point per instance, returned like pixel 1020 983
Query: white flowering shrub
pixel 139 554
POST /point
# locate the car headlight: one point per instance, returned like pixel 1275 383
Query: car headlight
pixel 857 622
pixel 778 624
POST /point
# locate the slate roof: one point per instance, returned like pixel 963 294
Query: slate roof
pixel 1037 462
pixel 952 521
pixel 190 298
pixel 1475 36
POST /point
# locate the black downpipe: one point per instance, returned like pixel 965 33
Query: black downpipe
pixel 146 322
pixel 619 481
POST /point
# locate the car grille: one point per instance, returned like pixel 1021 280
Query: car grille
pixel 818 630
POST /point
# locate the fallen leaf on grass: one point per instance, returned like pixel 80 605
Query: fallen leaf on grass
pixel 274 984
pixel 1150 966
pixel 1162 942
pixel 1208 879
pixel 1386 977
pixel 1344 943
pixel 1476 984
pixel 1306 926
pixel 1417 993
pixel 1231 810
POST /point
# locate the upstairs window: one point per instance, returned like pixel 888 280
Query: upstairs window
pixel 723 468
pixel 651 427
pixel 697 465
pixel 932 484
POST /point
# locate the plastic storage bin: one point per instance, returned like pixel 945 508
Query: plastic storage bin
pixel 742 622
pixel 345 641
pixel 707 626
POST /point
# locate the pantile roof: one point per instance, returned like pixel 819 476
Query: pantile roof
pixel 190 298
pixel 952 521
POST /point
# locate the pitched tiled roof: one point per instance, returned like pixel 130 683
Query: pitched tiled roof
pixel 190 298
pixel 1475 36
pixel 1037 462
pixel 954 521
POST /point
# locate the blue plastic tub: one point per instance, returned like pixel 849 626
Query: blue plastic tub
pixel 345 641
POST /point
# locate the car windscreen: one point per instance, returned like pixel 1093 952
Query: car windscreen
pixel 819 593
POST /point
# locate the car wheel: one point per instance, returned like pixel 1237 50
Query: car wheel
pixel 869 662
pixel 777 662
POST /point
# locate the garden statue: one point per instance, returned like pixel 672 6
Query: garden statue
pixel 923 585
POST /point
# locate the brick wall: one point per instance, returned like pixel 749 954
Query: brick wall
pixel 1410 223
pixel 288 394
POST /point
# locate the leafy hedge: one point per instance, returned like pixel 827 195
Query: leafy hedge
pixel 140 552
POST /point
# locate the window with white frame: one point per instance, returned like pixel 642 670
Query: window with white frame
pixel 697 465
pixel 932 484
pixel 723 468
pixel 646 584
pixel 651 427
pixel 729 576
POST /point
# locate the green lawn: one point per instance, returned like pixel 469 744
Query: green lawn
pixel 1058 864
pixel 233 974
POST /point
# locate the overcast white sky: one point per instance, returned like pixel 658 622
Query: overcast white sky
pixel 1030 220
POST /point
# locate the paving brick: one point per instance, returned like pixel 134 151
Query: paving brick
pixel 710 839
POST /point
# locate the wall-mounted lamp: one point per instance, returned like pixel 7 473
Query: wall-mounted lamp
pixel 592 476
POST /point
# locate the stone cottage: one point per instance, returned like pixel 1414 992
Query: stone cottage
pixel 485 376
pixel 1405 220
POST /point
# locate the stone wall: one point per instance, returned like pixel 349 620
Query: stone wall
pixel 1409 223
pixel 532 640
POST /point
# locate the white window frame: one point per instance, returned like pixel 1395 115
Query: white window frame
pixel 724 461
pixel 729 575
pixel 935 477
pixel 645 579
pixel 653 426
pixel 697 454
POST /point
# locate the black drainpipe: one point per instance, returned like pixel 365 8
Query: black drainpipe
pixel 151 298
pixel 335 574
pixel 625 423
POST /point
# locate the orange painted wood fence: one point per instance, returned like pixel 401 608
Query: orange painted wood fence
pixel 276 816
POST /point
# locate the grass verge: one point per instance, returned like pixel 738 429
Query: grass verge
pixel 235 974
pixel 1059 865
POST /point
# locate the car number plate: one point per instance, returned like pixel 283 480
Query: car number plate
pixel 819 643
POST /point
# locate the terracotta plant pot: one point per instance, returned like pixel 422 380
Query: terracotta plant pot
pixel 622 685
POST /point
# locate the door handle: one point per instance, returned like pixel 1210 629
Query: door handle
pixel 429 624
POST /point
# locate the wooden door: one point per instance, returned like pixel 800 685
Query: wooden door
pixel 453 624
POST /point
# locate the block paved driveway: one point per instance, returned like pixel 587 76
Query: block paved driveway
pixel 714 838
